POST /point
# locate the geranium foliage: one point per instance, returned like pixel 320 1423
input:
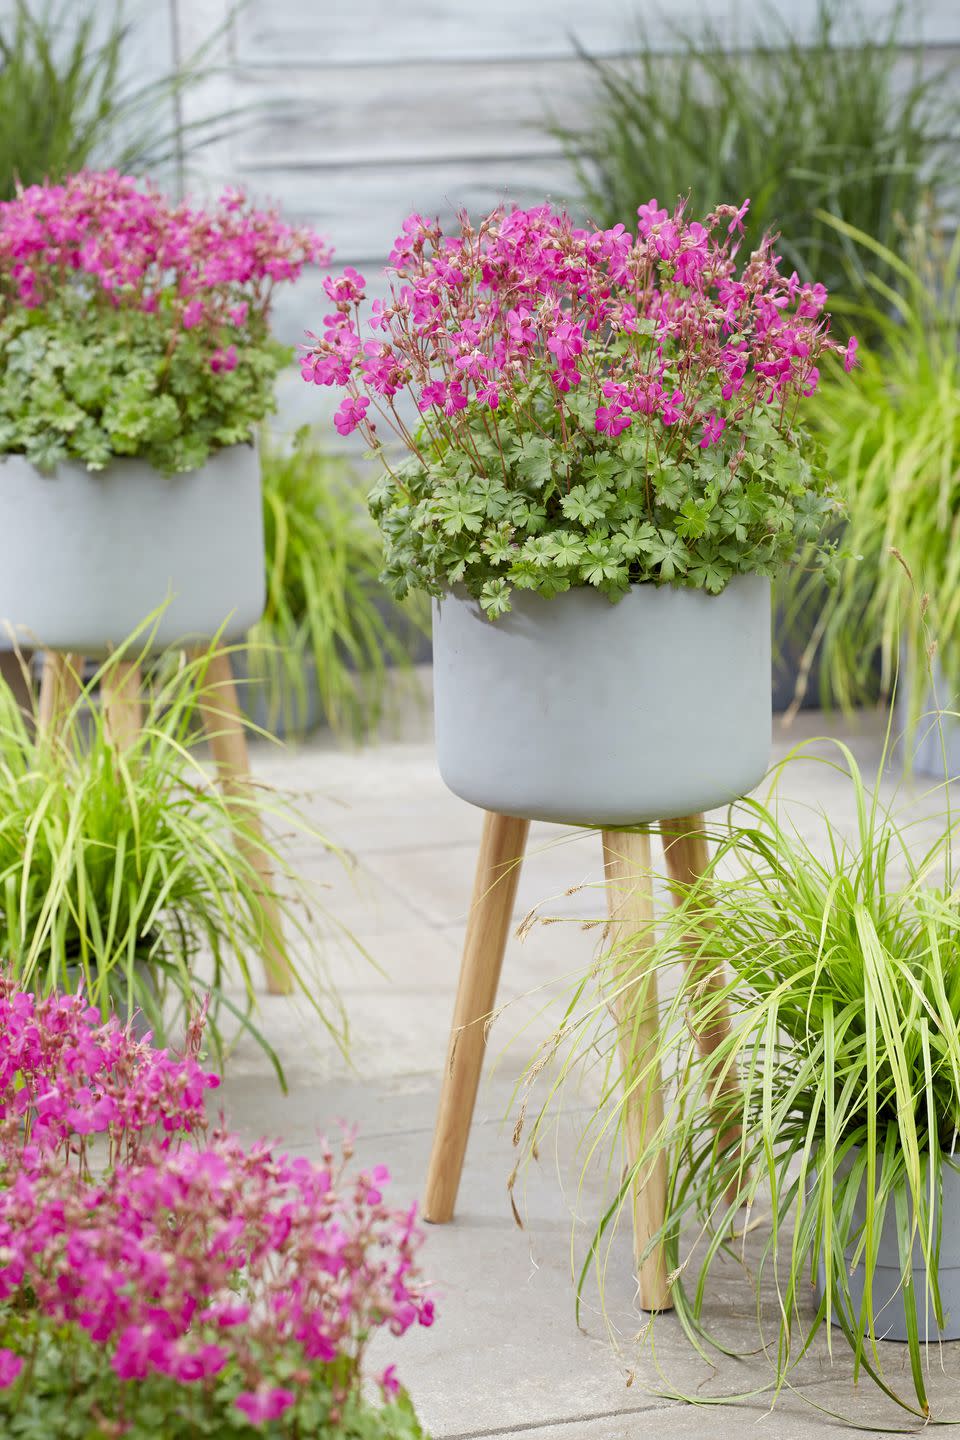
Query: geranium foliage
pixel 595 408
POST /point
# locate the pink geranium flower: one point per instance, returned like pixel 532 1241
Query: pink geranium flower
pixel 713 428
pixel 264 1405
pixel 10 1367
pixel 223 360
pixel 352 413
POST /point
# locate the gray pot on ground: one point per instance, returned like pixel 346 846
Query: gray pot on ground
pixel 139 1024
pixel 85 557
pixel 888 1297
pixel 789 645
pixel 275 703
pixel 923 750
pixel 577 710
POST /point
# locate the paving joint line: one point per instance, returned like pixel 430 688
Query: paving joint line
pixel 531 1426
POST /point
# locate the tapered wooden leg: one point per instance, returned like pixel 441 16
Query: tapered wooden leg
pixel 626 860
pixel 687 855
pixel 228 744
pixel 494 892
pixel 15 675
pixel 60 682
pixel 120 698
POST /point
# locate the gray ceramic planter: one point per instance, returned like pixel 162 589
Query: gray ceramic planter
pixel 140 1026
pixel 888 1313
pixel 85 557
pixel 580 711
pixel 926 752
pixel 275 703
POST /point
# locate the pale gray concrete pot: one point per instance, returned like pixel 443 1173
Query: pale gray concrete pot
pixel 577 710
pixel 888 1312
pixel 278 706
pixel 140 1026
pixel 932 747
pixel 85 557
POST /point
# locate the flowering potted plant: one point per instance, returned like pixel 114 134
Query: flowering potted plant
pixel 135 361
pixel 602 418
pixel 181 1283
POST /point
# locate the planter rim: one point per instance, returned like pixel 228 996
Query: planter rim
pixel 460 592
pixel 136 463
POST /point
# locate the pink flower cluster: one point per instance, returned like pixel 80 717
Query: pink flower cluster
pixel 180 1259
pixel 65 1076
pixel 659 329
pixel 124 244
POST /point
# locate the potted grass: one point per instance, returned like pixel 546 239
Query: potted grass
pixel 892 443
pixel 816 1138
pixel 135 362
pixel 330 641
pixel 605 470
pixel 125 872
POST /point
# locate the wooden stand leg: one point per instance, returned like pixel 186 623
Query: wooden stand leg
pixel 59 688
pixel 626 858
pixel 687 855
pixel 494 891
pixel 120 698
pixel 228 744
pixel 15 675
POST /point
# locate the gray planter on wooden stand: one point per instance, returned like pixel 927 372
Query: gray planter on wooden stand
pixel 576 710
pixel 888 1297
pixel 86 556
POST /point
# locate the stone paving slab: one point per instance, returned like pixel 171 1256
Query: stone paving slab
pixel 506 1358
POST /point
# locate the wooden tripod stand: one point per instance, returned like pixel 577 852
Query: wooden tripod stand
pixel 223 722
pixel 626 856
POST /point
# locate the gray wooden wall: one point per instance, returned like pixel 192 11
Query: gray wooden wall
pixel 358 111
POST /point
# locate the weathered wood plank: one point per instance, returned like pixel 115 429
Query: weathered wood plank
pixel 311 119
pixel 366 32
pixel 405 112
pixel 361 210
pixel 432 31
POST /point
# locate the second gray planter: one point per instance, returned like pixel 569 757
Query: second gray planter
pixel 888 1291
pixel 140 1026
pixel 86 557
pixel 931 745
pixel 577 710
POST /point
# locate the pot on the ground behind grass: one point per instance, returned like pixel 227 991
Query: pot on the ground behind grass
pixel 577 710
pixel 279 694
pixel 888 1290
pixel 139 1023
pixel 86 556
pixel 931 747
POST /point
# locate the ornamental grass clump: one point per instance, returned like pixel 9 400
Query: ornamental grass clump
pixel 594 408
pixel 130 325
pixel 324 602
pixel 841 110
pixel 812 1110
pixel 125 870
pixel 156 1282
pixel 892 442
